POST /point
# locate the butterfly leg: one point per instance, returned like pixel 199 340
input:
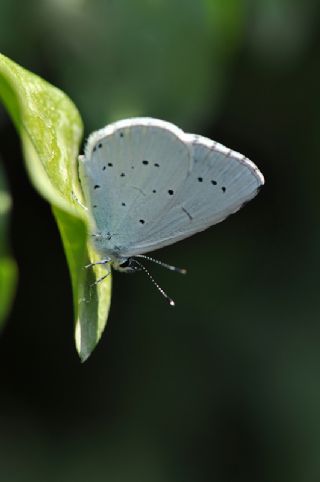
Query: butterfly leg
pixel 102 278
pixel 102 261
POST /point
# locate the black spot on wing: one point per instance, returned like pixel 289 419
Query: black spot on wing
pixel 97 186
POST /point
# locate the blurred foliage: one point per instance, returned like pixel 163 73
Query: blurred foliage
pixel 135 64
pixel 8 269
pixel 122 58
pixel 226 386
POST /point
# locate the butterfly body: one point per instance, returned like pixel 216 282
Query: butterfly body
pixel 147 184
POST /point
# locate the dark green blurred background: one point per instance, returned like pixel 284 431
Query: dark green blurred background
pixel 226 386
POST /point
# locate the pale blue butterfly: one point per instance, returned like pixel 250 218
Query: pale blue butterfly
pixel 147 184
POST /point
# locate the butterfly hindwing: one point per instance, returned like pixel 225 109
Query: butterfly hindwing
pixel 220 182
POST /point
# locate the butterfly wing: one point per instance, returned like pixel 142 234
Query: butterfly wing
pixel 219 183
pixel 130 173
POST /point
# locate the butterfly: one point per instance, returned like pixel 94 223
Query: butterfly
pixel 147 184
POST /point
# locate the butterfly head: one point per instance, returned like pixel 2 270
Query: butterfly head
pixel 126 265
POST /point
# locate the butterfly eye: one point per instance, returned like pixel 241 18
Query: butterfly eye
pixel 128 266
pixel 126 263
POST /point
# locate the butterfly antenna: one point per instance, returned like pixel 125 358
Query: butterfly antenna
pixel 164 265
pixel 143 268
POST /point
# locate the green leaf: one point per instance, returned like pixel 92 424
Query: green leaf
pixel 50 128
pixel 8 269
